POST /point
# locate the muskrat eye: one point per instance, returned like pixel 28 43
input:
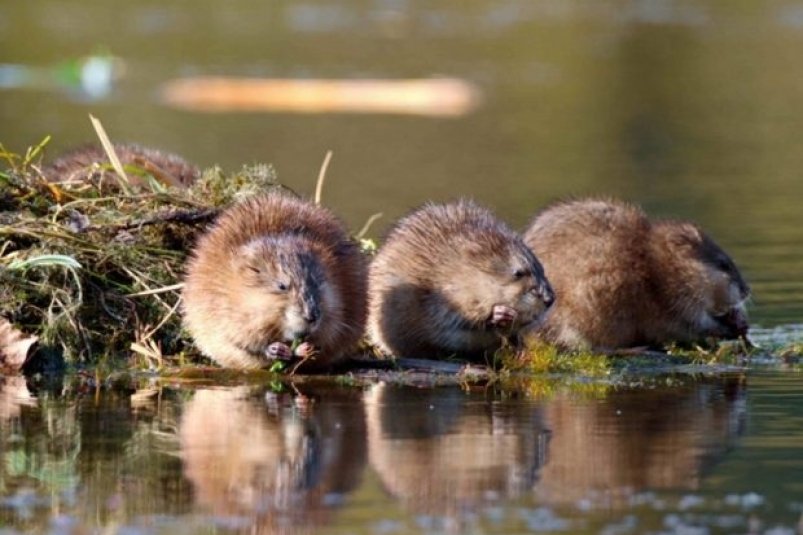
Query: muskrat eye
pixel 723 264
pixel 520 273
pixel 282 287
pixel 254 269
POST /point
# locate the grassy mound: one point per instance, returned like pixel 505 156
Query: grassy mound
pixel 92 267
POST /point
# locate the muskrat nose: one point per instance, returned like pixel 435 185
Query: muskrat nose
pixel 744 290
pixel 300 334
pixel 546 294
pixel 311 315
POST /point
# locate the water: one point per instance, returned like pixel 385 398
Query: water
pixel 692 109
pixel 717 453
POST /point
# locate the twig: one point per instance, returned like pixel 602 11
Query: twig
pixel 371 220
pixel 125 184
pixel 425 365
pixel 33 152
pixel 174 216
pixel 159 325
pixel 140 280
pixel 299 363
pixel 154 291
pixel 11 231
pixel 322 177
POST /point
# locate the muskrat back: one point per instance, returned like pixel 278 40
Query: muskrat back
pixel 625 281
pixel 451 279
pixel 275 270
pixel 90 162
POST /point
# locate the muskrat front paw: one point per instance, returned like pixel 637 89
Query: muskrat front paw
pixel 279 350
pixel 503 316
pixel 306 350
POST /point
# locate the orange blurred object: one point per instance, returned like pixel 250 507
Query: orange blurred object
pixel 444 97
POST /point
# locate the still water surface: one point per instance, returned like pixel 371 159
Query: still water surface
pixel 677 454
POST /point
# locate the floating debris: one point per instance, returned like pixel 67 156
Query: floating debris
pixel 91 77
pixel 437 97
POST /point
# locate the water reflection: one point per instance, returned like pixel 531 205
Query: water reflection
pixel 664 438
pixel 243 458
pixel 278 463
pixel 85 455
pixel 14 395
pixel 443 453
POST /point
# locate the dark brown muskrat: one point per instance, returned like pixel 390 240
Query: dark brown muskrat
pixel 624 281
pixel 273 270
pixel 451 279
pixel 91 162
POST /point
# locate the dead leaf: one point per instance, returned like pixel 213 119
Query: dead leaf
pixel 15 347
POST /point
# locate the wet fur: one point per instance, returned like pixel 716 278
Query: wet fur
pixel 624 281
pixel 232 306
pixel 434 283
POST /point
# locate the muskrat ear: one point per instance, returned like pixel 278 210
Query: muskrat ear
pixel 473 249
pixel 252 249
pixel 684 234
pixel 249 258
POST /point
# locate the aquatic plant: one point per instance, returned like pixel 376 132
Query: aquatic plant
pixel 541 357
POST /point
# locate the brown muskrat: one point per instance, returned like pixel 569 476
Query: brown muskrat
pixel 90 162
pixel 451 279
pixel 625 281
pixel 274 270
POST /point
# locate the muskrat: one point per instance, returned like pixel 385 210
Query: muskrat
pixel 625 281
pixel 90 162
pixel 451 279
pixel 274 270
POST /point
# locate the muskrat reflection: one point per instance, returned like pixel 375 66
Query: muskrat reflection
pixel 443 452
pixel 639 439
pixel 270 461
pixel 14 395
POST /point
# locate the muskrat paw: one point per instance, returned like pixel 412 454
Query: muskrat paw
pixel 306 350
pixel 503 316
pixel 279 350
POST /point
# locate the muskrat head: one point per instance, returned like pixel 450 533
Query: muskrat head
pixel 286 284
pixel 711 292
pixel 503 285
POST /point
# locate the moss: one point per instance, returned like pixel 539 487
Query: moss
pixel 541 358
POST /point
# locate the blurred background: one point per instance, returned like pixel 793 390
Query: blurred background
pixel 692 108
